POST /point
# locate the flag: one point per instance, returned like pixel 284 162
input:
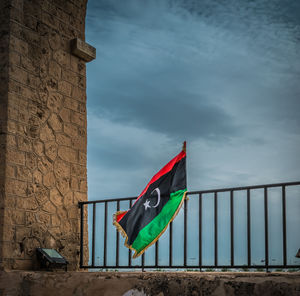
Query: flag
pixel 157 206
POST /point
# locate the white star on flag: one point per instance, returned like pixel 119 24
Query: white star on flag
pixel 146 204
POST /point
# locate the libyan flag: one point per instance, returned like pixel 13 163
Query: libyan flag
pixel 155 207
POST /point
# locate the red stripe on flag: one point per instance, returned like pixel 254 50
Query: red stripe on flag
pixel 167 168
pixel 120 216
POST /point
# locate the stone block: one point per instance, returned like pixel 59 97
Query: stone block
pixel 29 65
pixel 78 170
pixel 11 141
pixel 54 69
pixel 65 87
pixel 14 217
pixel 28 203
pixel 51 150
pixel 24 144
pixel 16 187
pixel 79 196
pixel 71 129
pixel 65 114
pixel 44 165
pixel 83 50
pixel 82 158
pixel 78 118
pixel 22 232
pixel 16 157
pixel 26 264
pixel 41 194
pixel 63 185
pixel 61 168
pixel 49 207
pixel 56 197
pixel 78 65
pixel 55 123
pixel 68 199
pixel 37 177
pixel 70 77
pixel 31 160
pixel 23 173
pixel 43 218
pixel 49 180
pixel 74 183
pixel 62 58
pixel 46 134
pixel 30 218
pixel 62 139
pixel 55 101
pixel 73 212
pixel 68 154
pixel 38 147
pixel 18 45
pixel 18 74
pixel 55 220
pixel 15 58
pixel 71 104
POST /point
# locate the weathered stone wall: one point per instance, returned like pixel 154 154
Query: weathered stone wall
pixel 42 129
pixel 148 283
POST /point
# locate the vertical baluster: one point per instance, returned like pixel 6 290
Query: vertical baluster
pixel 81 233
pixel 248 227
pixel 156 254
pixel 266 227
pixel 216 226
pixel 200 230
pixel 129 251
pixel 231 229
pixel 105 234
pixel 284 224
pixel 117 238
pixel 185 233
pixel 93 234
pixel 171 244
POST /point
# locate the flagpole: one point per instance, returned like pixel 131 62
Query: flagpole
pixel 184 146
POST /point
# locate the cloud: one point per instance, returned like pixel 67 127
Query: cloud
pixel 223 76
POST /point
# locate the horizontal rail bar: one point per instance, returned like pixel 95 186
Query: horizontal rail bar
pixel 198 192
pixel 245 188
pixel 193 266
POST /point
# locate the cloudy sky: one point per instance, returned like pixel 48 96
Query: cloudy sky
pixel 222 75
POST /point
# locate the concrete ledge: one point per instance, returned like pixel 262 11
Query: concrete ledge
pixel 24 283
pixel 83 50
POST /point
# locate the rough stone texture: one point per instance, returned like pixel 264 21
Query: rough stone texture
pixel 42 129
pixel 15 283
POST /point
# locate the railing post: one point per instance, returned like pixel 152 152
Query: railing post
pixel 200 231
pixel 231 229
pixel 129 251
pixel 248 227
pixel 93 234
pixel 266 228
pixel 117 238
pixel 185 234
pixel 170 243
pixel 105 233
pixel 81 233
pixel 216 226
pixel 284 225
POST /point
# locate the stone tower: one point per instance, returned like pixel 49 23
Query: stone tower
pixel 43 142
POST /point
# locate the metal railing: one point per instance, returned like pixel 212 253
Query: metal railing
pixel 230 235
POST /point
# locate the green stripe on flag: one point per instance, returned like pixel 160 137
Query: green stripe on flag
pixel 150 232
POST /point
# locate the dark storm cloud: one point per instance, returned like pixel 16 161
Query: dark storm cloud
pixel 161 63
pixel 223 75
